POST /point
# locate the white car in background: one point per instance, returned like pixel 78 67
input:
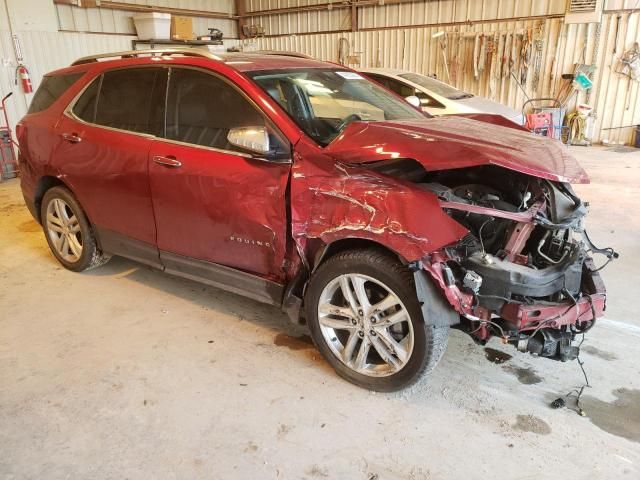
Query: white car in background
pixel 436 97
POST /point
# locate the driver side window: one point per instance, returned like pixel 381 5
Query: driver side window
pixel 202 109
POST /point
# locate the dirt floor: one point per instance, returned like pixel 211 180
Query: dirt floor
pixel 125 372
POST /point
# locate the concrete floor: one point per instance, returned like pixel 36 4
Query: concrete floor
pixel 125 372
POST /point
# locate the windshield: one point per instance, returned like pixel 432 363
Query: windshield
pixel 323 102
pixel 436 86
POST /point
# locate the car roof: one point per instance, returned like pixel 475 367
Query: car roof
pixel 243 62
pixel 384 71
pixel 246 62
pixel 398 73
pixel 286 53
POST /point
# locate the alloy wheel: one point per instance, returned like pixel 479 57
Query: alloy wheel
pixel 63 228
pixel 365 325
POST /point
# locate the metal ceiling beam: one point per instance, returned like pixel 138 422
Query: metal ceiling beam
pixel 242 13
pixel 339 5
pixel 430 25
pixel 131 7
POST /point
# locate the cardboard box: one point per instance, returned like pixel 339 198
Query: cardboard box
pixel 181 28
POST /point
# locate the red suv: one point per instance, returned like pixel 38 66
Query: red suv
pixel 304 185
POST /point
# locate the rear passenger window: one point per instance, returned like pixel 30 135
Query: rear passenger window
pixel 132 99
pixel 129 99
pixel 85 107
pixel 52 88
pixel 201 109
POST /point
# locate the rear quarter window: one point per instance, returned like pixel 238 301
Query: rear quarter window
pixel 52 88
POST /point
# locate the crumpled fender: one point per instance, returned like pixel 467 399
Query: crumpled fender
pixel 331 201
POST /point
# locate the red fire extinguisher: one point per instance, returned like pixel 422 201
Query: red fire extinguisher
pixel 22 72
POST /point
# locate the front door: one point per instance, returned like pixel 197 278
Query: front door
pixel 215 205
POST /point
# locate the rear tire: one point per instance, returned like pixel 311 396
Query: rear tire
pixel 68 232
pixel 393 346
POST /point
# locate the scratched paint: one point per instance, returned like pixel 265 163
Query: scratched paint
pixel 331 201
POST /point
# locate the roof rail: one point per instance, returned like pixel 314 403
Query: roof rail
pixel 194 52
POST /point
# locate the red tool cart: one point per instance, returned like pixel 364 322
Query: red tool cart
pixel 8 162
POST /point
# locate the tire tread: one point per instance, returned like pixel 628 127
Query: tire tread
pixel 436 337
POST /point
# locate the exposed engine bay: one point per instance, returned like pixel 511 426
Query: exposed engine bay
pixel 524 270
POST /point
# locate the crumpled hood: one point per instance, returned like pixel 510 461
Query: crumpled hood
pixel 447 142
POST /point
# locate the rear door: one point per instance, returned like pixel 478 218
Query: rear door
pixel 105 139
pixel 215 203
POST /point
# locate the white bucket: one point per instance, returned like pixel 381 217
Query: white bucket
pixel 153 26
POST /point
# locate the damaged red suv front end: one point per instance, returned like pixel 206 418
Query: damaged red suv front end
pixel 525 274
pixel 485 210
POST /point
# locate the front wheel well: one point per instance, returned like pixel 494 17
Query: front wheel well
pixel 333 248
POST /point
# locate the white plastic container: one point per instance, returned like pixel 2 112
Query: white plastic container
pixel 153 25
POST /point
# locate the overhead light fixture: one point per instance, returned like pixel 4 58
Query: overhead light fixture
pixel 438 34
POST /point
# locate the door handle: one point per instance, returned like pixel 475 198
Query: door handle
pixel 169 162
pixel 71 137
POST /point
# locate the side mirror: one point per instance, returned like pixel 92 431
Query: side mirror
pixel 254 139
pixel 413 100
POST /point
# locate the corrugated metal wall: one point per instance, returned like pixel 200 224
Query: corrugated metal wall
pixel 386 39
pixel 293 23
pixel 44 51
pixel 380 16
pixel 120 21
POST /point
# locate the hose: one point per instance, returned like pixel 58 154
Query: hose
pixel 577 127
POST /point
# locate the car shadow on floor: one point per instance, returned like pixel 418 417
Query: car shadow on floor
pixel 205 296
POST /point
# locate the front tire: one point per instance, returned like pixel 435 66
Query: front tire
pixel 365 319
pixel 68 231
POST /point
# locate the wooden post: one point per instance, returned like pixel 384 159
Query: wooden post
pixel 240 12
pixel 354 16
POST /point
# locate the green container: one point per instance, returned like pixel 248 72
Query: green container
pixel 582 82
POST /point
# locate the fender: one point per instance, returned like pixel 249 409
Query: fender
pixel 331 201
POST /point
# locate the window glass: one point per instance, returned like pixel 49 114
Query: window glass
pixel 378 78
pixel 436 86
pixel 323 102
pixel 428 100
pixel 202 108
pixel 400 88
pixel 406 90
pixel 85 107
pixel 133 99
pixel 51 88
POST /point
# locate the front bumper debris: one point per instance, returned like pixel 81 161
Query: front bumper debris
pixel 515 318
pixel 588 307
